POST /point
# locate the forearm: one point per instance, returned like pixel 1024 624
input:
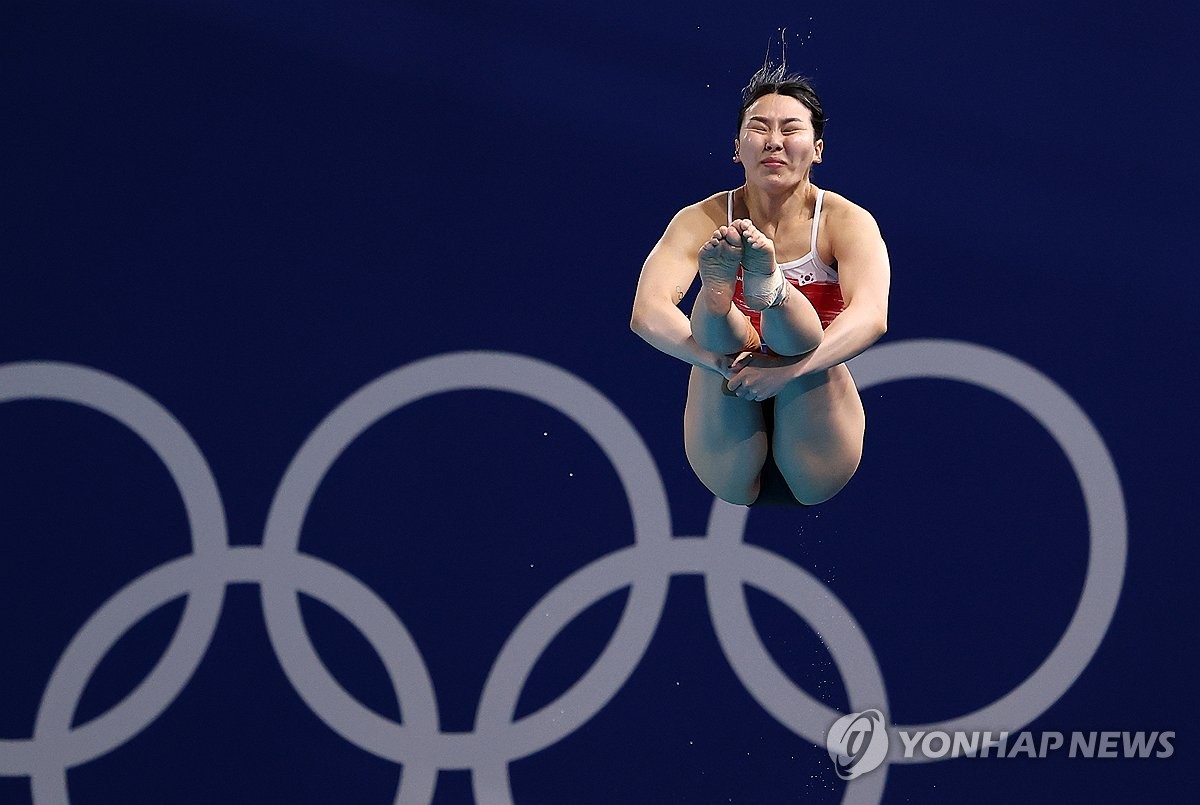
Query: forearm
pixel 668 330
pixel 847 336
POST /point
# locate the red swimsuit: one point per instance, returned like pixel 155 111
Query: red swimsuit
pixel 817 281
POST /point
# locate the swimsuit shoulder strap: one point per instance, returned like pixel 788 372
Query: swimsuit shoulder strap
pixel 729 208
pixel 816 220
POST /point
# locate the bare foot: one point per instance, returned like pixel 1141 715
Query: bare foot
pixel 719 259
pixel 762 282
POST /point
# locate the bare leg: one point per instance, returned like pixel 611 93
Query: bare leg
pixel 792 327
pixel 724 437
pixel 716 324
pixel 818 438
pixel 728 334
pixel 790 324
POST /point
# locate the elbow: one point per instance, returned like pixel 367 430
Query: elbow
pixel 639 321
pixel 878 330
pixel 870 319
pixel 879 321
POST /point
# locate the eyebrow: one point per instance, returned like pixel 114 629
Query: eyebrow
pixel 784 121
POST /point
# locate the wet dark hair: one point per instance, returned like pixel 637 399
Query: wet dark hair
pixel 774 79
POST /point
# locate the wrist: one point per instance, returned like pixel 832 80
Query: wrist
pixel 716 362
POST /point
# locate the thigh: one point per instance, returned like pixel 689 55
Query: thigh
pixel 725 439
pixel 818 436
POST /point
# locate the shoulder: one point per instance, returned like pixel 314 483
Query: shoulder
pixel 710 211
pixel 843 216
pixel 697 221
pixel 840 210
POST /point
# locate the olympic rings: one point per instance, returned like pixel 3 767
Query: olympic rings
pixel 721 556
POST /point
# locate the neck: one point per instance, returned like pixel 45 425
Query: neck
pixel 768 207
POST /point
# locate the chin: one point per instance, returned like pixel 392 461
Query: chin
pixel 776 180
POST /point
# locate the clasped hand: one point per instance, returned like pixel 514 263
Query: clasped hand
pixel 757 377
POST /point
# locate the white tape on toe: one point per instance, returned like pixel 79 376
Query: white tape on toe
pixel 763 291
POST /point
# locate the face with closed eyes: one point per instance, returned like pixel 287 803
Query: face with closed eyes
pixel 776 144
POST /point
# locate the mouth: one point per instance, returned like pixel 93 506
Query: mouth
pixel 772 163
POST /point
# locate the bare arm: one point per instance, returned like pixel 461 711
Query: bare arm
pixel 667 275
pixel 865 276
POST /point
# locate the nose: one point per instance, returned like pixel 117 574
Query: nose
pixel 773 142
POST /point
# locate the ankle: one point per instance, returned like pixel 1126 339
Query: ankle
pixel 716 302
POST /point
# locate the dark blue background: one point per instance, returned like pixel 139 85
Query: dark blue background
pixel 250 209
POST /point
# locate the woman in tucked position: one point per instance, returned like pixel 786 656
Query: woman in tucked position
pixel 794 283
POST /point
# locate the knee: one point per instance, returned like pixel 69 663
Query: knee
pixel 799 342
pixel 811 339
pixel 810 343
pixel 809 336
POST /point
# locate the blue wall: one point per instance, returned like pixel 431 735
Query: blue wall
pixel 223 219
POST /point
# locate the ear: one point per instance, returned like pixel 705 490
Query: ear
pixel 737 157
pixel 819 146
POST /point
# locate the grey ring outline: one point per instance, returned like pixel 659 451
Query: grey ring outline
pixel 460 372
pixel 55 745
pixel 401 658
pixel 333 586
pixel 1071 429
pixel 728 559
pixel 1104 501
pixel 824 612
pixel 1101 562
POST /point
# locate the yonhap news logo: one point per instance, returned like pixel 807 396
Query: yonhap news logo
pixel 858 743
pixel 936 744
